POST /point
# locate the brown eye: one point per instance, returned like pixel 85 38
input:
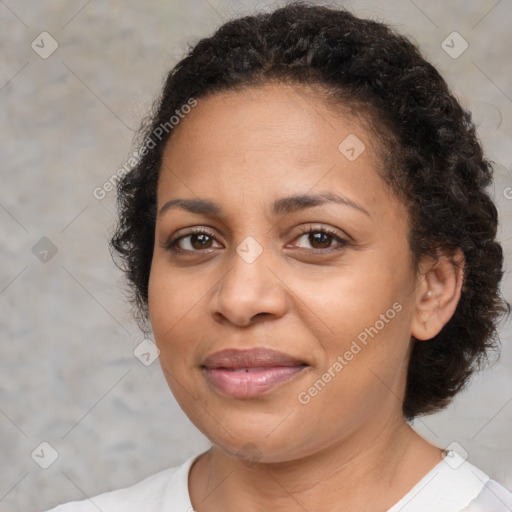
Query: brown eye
pixel 200 241
pixel 196 241
pixel 321 239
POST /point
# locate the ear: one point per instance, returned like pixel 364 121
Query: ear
pixel 437 293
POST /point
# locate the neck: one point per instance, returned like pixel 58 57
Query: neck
pixel 371 469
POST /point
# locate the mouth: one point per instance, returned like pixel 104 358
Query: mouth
pixel 250 373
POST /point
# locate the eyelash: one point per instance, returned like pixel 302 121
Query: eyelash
pixel 172 245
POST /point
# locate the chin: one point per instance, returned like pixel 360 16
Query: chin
pixel 254 442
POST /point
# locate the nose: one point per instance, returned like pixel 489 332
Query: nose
pixel 248 292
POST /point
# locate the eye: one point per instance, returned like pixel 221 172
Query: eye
pixel 321 239
pixel 201 239
pixel 197 240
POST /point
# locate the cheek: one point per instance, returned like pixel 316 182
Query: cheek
pixel 361 319
pixel 347 300
pixel 360 379
pixel 172 297
pixel 171 306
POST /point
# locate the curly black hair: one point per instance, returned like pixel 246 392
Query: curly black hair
pixel 436 168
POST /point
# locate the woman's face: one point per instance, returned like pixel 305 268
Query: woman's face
pixel 245 274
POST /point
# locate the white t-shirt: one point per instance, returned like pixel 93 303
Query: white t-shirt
pixel 454 485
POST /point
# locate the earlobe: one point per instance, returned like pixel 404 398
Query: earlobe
pixel 438 294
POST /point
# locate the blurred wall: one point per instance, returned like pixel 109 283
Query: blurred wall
pixel 75 80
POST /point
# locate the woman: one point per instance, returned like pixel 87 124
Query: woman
pixel 307 232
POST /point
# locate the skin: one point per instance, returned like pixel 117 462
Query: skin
pixel 349 448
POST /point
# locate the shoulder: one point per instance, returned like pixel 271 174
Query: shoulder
pixel 493 496
pixel 452 486
pixel 151 494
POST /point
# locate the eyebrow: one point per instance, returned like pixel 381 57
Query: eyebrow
pixel 281 206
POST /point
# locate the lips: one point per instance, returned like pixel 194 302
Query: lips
pixel 249 373
pixel 234 359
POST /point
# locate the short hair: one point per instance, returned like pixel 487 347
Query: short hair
pixel 436 168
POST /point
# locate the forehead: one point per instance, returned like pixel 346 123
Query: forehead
pixel 259 142
pixel 299 119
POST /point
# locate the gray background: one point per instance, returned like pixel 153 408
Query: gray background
pixel 68 374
